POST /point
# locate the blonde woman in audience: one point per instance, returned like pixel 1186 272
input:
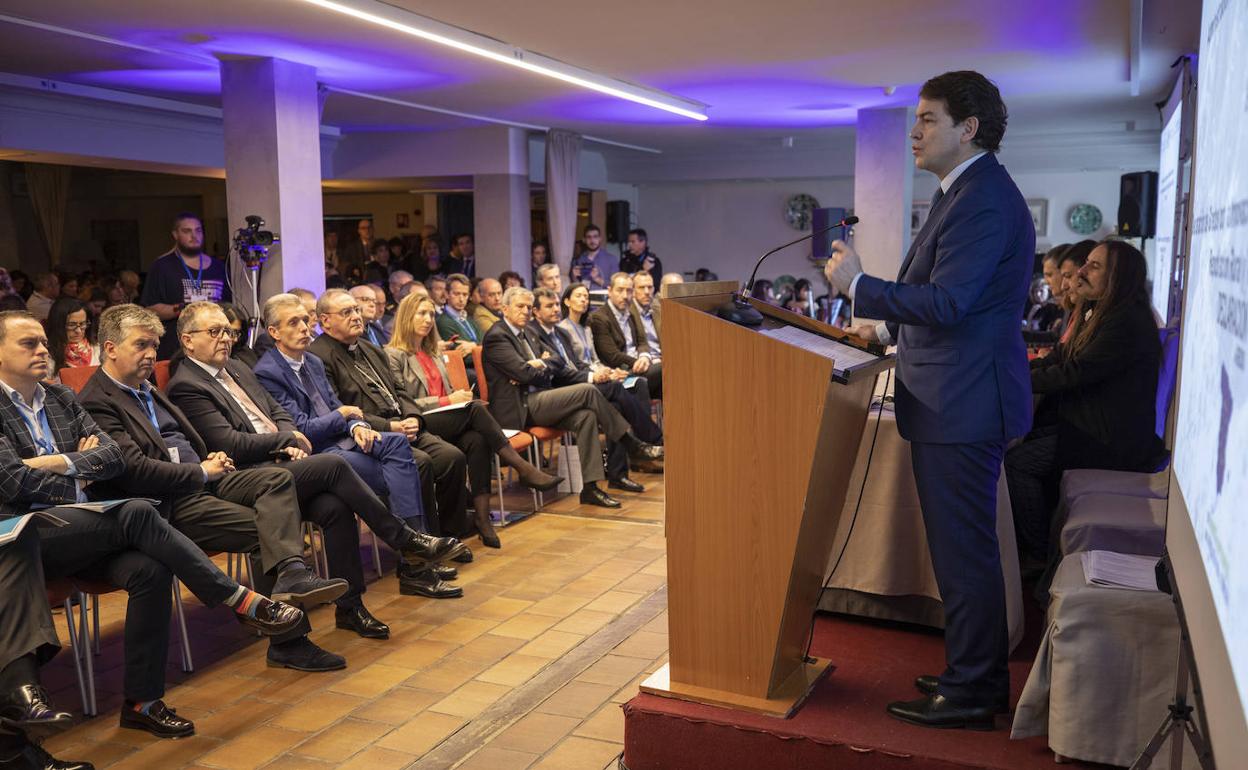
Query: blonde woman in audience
pixel 417 364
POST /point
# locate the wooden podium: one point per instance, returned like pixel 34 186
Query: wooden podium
pixel 761 437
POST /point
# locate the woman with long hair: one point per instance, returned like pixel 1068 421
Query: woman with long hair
pixel 1098 391
pixel 575 322
pixel 416 361
pixel 70 336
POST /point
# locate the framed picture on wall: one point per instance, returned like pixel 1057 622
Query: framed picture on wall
pixel 1039 208
pixel 918 217
pixel 401 221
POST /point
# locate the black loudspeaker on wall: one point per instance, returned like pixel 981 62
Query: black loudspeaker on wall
pixel 617 221
pixel 1137 205
pixel 821 248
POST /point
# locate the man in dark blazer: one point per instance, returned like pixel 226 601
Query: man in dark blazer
pixel 360 372
pixel 962 381
pixel 236 415
pixel 297 380
pixel 619 337
pixel 254 511
pixel 51 453
pixel 634 405
pixel 523 393
pixel 27 641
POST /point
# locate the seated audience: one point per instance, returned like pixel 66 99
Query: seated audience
pixel 236 415
pixel 510 278
pixel 360 374
pixel 51 451
pixel 549 277
pixel 619 337
pixel 296 379
pixel 27 641
pixel 670 278
pixel 398 279
pixel 379 258
pixel 1098 393
pixel 96 301
pixel 575 301
pixel 463 256
pixel 490 309
pixel 455 328
pixel 639 258
pixel 523 394
pixel 646 308
pixel 633 403
pixel 398 252
pixel 70 336
pixel 430 262
pixel 220 508
pixel 366 299
pixel 47 290
pixel 437 290
pixel 69 284
pixel 130 285
pixel 239 322
pixel 1071 261
pixel 20 284
pixel 416 363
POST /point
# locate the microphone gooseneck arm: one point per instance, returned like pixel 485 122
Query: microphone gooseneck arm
pixel 749 287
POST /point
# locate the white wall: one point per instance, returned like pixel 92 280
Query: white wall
pixel 727 225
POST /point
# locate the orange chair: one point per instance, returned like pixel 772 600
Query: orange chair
pixel 75 377
pixel 458 372
pixel 64 593
pixel 522 442
pixel 161 370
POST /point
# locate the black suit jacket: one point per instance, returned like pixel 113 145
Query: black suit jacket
pixel 609 337
pixel 1105 396
pixel 221 422
pixel 353 387
pixel 21 485
pixel 508 375
pixel 149 472
pixel 565 371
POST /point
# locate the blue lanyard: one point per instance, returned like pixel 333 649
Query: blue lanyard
pixel 198 280
pixel 580 332
pixel 149 407
pixel 40 438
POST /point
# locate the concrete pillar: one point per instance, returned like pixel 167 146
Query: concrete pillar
pixel 273 167
pixel 501 223
pixel 883 189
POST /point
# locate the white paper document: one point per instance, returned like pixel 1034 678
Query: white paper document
pixel 843 356
pixel 11 528
pixel 447 408
pixel 1119 570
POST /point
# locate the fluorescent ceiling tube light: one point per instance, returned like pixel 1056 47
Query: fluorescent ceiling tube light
pixel 435 31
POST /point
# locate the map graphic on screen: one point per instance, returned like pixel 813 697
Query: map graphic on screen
pixel 1211 440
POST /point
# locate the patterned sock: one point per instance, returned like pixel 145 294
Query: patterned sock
pixel 143 707
pixel 248 603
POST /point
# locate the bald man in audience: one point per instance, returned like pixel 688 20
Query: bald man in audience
pixel 490 311
pixel 366 298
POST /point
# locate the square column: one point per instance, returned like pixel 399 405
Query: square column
pixel 502 228
pixel 273 168
pixel 883 189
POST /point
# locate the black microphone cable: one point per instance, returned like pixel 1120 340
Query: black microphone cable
pixel 884 399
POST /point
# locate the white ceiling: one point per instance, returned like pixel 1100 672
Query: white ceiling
pixel 766 69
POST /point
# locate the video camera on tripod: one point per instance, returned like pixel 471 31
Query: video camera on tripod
pixel 251 246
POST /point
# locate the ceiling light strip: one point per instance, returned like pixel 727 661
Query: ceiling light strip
pixel 483 118
pixel 435 31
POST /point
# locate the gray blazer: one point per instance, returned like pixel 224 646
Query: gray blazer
pixel 408 371
pixel 578 346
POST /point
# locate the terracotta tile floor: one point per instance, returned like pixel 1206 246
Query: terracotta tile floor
pixel 528 670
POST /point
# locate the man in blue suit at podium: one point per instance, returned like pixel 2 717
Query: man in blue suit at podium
pixel 963 388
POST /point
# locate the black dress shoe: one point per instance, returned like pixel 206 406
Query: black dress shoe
pixel 28 709
pixel 33 757
pixel 272 618
pixel 592 495
pixel 161 721
pixel 303 588
pixel 543 483
pixel 465 557
pixel 929 684
pixel 361 621
pixel 445 573
pixel 425 583
pixel 938 711
pixel 302 655
pixel 640 450
pixel 626 484
pixel 427 549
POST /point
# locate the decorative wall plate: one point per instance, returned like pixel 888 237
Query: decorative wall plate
pixel 1084 218
pixel 799 210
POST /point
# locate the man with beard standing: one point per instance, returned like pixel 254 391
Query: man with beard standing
pixel 183 275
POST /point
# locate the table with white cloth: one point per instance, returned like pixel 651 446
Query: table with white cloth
pixel 885 570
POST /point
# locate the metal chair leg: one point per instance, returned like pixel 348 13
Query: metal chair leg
pixel 180 613
pixel 537 496
pixel 95 623
pixel 76 649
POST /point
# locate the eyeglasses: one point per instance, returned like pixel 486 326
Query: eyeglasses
pixel 217 332
pixel 346 312
pixel 75 326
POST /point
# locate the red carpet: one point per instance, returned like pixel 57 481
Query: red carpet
pixel 843 724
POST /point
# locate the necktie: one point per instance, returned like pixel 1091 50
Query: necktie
pixel 936 196
pixel 524 344
pixel 318 402
pixel 149 408
pixel 241 396
pixel 469 330
pixel 563 352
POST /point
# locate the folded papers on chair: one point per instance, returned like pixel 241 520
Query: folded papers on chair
pixel 1120 570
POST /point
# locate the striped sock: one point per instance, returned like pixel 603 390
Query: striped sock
pixel 143 707
pixel 248 603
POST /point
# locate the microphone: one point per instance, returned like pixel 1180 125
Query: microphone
pixel 739 310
